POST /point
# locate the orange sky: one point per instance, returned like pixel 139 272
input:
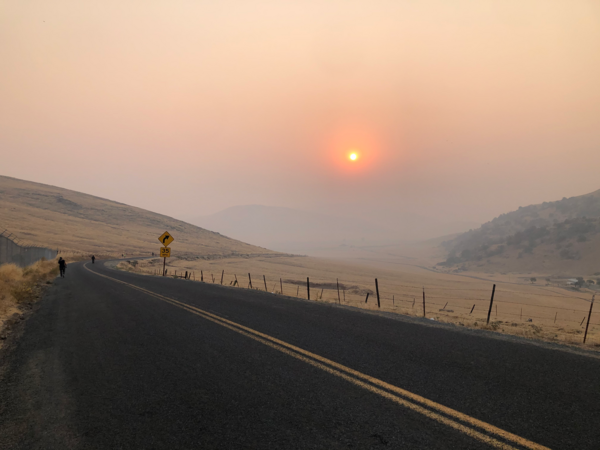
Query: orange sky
pixel 461 110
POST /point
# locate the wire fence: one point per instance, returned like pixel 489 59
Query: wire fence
pixel 569 313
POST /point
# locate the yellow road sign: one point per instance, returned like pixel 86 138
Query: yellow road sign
pixel 165 252
pixel 166 238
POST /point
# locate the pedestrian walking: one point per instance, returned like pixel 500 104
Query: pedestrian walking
pixel 62 266
pixel 93 259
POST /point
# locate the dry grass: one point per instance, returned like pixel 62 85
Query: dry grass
pixel 449 298
pixel 19 288
pixel 72 221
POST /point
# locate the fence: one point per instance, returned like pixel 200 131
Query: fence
pixel 556 314
pixel 21 255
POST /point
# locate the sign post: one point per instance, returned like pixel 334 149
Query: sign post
pixel 165 252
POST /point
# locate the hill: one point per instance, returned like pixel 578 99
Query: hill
pixel 560 236
pixel 287 229
pixel 293 230
pixel 73 221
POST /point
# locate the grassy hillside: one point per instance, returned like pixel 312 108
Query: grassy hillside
pixel 561 236
pixel 69 220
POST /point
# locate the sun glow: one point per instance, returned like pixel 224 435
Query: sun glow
pixel 353 156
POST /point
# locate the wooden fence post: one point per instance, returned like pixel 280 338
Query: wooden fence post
pixel 222 273
pixel 281 285
pixel 588 321
pixel 250 280
pixel 424 315
pixel 307 288
pixel 472 309
pixel 377 290
pixel 202 276
pixel 265 280
pixel 367 297
pixel 337 281
pixel 491 303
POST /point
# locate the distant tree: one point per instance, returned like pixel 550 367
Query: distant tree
pixel 533 280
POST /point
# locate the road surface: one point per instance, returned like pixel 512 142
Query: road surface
pixel 114 360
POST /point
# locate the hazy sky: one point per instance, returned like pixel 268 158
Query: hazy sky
pixel 460 110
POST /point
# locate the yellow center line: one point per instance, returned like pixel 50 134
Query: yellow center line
pixel 405 398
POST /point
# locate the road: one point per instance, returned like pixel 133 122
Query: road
pixel 114 360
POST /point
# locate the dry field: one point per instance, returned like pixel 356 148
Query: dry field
pixel 74 222
pixel 535 311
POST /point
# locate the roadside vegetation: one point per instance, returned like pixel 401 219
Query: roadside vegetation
pixel 21 287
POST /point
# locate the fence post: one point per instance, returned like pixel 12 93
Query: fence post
pixel 202 276
pixel 297 290
pixel 250 280
pixel 308 288
pixel 337 281
pixel 424 315
pixel 472 309
pixel 281 285
pixel 236 281
pixel 588 321
pixel 367 297
pixel 377 290
pixel 222 273
pixel 265 280
pixel 491 303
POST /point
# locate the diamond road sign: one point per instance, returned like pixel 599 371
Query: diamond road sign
pixel 166 238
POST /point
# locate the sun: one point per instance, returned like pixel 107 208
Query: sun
pixel 353 156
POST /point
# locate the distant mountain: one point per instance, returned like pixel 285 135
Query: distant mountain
pixel 552 236
pixel 69 220
pixel 292 230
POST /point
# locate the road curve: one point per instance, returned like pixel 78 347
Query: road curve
pixel 116 360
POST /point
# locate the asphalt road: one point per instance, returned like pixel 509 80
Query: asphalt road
pixel 113 360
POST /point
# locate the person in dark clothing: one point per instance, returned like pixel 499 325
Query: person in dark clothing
pixel 62 266
pixel 93 259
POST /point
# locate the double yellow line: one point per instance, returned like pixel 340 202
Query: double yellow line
pixel 463 423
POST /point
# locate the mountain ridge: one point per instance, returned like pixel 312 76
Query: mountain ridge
pixel 547 236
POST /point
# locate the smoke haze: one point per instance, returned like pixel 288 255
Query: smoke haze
pixel 459 110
